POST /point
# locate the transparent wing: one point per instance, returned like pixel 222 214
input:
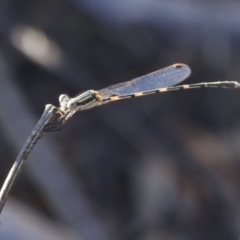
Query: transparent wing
pixel 164 77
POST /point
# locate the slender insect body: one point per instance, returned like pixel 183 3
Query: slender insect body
pixel 156 82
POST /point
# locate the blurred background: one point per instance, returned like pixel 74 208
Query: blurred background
pixel 164 166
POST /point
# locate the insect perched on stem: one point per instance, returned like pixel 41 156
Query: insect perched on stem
pixel 156 82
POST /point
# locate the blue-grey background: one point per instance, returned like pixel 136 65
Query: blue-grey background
pixel 164 166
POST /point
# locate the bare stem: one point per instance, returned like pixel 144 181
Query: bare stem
pixel 50 113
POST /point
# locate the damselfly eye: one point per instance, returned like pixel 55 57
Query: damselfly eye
pixel 63 98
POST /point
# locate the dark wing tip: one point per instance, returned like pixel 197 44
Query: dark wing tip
pixel 184 67
pixel 179 65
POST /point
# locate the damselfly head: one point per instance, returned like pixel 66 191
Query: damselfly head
pixel 63 100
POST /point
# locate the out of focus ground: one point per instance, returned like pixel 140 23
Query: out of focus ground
pixel 159 167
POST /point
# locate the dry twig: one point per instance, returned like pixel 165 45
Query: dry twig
pixel 50 113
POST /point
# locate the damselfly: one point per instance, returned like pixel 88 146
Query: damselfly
pixel 155 82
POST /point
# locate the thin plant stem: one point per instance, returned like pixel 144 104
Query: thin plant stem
pixel 50 113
